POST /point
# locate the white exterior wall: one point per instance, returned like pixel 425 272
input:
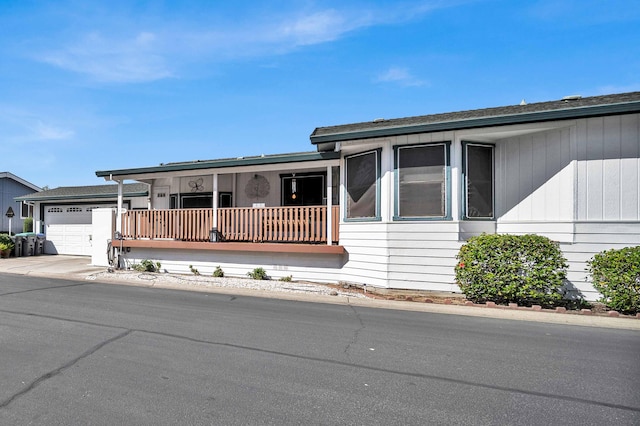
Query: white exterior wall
pixel 578 185
pixel 423 254
pixel 103 221
pixel 535 177
pixel 608 168
pixel 322 268
pixel 576 182
pixel 393 254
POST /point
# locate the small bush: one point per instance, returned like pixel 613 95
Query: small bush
pixel 218 273
pixel 27 225
pixel 147 266
pixel 6 239
pixel 286 279
pixel 616 275
pixel 193 270
pixel 258 274
pixel 523 269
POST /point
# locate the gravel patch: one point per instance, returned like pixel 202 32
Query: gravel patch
pixel 227 282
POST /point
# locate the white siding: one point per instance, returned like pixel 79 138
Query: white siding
pixel 302 267
pixel 592 238
pixel 368 254
pixel 403 255
pixel 535 177
pixel 608 167
pixel 555 231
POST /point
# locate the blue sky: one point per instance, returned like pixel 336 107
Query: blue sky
pixel 90 85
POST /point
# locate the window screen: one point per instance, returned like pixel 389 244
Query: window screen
pixel 362 185
pixel 479 181
pixel 421 181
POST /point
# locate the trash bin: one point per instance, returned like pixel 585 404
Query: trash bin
pixel 17 248
pixel 39 248
pixel 29 244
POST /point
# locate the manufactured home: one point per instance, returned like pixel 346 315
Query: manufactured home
pixel 388 203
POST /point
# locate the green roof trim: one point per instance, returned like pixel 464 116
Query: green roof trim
pixel 225 163
pixel 95 192
pixel 565 109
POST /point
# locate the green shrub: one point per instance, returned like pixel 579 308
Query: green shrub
pixel 27 225
pixel 147 266
pixel 286 279
pixel 6 239
pixel 193 270
pixel 616 275
pixel 258 274
pixel 218 273
pixel 523 269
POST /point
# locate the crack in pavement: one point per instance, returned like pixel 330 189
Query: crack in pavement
pixel 31 386
pixel 43 288
pixel 349 364
pixel 356 333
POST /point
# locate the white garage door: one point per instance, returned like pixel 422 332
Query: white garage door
pixel 68 229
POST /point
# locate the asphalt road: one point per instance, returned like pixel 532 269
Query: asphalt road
pixel 85 353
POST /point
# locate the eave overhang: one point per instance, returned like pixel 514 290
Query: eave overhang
pixel 81 197
pixel 325 141
pixel 221 164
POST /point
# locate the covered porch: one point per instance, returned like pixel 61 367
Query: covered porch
pixel 287 200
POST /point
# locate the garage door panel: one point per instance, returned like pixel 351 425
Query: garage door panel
pixel 69 239
pixel 69 229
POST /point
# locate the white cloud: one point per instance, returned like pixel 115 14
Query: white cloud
pixel 400 76
pixel 44 131
pixel 121 52
pixel 124 60
pixel 319 27
pixel 20 127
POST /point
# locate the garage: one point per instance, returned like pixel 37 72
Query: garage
pixel 64 214
pixel 68 229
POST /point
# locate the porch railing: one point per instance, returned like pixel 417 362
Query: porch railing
pixel 246 224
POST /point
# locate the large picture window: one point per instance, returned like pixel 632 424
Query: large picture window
pixel 478 181
pixel 421 181
pixel 362 180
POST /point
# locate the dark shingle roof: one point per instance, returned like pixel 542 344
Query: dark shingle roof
pixel 225 163
pixel 566 108
pixel 86 192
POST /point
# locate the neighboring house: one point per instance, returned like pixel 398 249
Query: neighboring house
pixel 64 214
pixel 388 203
pixel 12 186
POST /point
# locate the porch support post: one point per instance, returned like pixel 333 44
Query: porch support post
pixel 456 179
pixel 119 212
pixel 329 201
pixel 150 189
pixel 215 200
pixel 37 220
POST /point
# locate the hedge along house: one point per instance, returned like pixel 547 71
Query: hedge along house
pixel 388 203
pixel 415 189
pixel 64 214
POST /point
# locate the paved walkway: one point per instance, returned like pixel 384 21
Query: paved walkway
pixel 79 268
